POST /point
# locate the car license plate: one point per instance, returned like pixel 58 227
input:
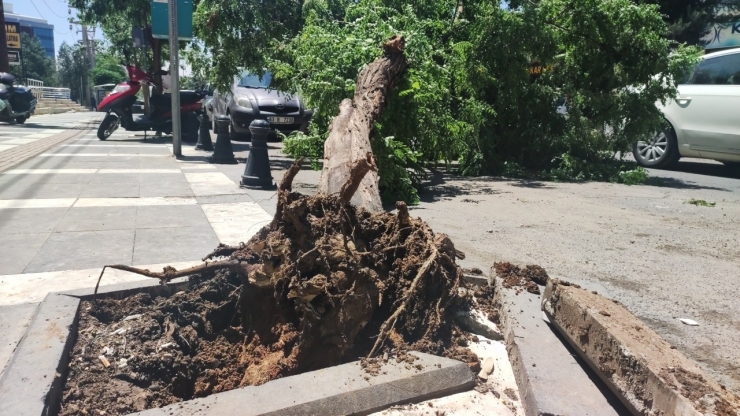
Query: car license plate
pixel 280 120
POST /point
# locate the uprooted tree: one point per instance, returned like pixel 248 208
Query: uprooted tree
pixel 325 271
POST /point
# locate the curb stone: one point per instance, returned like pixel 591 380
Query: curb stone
pixel 340 390
pixel 551 381
pixel 638 365
pixel 33 381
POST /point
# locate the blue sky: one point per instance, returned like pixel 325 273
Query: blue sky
pixel 55 12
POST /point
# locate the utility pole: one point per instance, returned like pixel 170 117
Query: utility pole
pixel 89 53
pixel 175 79
pixel 89 46
pixel 4 64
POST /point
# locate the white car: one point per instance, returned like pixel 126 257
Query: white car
pixel 704 119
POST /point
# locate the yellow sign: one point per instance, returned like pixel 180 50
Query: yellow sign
pixel 13 34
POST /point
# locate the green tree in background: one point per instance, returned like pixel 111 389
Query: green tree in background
pixel 73 69
pixel 469 95
pixel 36 64
pixel 107 70
pixel 484 81
pixel 117 18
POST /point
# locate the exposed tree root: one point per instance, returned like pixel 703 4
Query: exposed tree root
pixel 325 278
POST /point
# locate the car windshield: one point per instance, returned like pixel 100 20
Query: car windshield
pixel 254 81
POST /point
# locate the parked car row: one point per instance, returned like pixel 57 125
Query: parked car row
pixel 704 119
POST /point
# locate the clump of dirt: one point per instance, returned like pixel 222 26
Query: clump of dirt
pixel 695 388
pixel 516 277
pixel 536 274
pixel 486 302
pixel 324 283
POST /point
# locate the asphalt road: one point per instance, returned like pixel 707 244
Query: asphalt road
pixel 646 246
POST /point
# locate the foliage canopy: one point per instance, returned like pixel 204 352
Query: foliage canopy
pixel 35 62
pixel 485 79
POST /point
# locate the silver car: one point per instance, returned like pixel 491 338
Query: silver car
pixel 704 119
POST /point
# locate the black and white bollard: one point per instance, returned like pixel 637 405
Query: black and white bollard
pixel 204 135
pixel 223 153
pixel 257 172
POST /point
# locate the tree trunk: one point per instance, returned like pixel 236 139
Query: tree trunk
pixel 349 132
pixel 157 64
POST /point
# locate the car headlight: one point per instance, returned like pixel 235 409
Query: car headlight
pixel 243 102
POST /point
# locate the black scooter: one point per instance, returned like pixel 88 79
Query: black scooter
pixel 17 104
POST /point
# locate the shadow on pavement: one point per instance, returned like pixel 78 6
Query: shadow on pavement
pixel 442 186
pixel 681 184
pixel 32 126
pixel 709 169
pixel 705 170
pixel 285 164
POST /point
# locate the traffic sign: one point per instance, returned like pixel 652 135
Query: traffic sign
pixel 161 19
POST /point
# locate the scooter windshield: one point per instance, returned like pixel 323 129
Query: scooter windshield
pixel 137 75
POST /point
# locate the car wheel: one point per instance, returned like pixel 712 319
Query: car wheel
pixel 108 126
pixel 661 151
pixel 733 165
pixel 21 119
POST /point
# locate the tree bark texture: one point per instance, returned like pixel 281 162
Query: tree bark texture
pixel 349 132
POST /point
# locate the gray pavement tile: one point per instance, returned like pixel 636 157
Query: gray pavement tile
pixel 155 149
pixel 43 163
pixel 170 216
pixel 31 189
pixel 111 190
pixel 14 321
pixel 224 199
pixel 110 178
pixel 30 220
pixel 18 250
pixel 33 179
pixel 98 219
pixel 83 250
pixel 259 195
pixel 159 188
pixel 107 164
pixel 269 206
pixel 167 162
pixel 163 245
pixel 165 179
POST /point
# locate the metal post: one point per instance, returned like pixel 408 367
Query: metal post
pixel 175 80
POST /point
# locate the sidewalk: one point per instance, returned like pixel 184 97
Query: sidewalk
pixel 86 203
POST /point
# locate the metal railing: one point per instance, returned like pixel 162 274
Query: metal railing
pixel 39 91
pixel 35 86
pixel 54 93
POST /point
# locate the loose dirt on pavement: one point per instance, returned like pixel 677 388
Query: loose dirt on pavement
pixel 522 279
pixel 644 246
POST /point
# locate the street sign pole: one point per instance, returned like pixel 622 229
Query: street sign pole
pixel 175 80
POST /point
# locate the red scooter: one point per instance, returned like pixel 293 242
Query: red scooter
pixel 119 105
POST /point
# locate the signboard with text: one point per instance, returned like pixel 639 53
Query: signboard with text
pixel 13 34
pixel 14 57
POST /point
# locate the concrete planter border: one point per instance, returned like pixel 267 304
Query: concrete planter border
pixel 33 382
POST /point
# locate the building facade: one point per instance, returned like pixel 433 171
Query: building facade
pixel 33 26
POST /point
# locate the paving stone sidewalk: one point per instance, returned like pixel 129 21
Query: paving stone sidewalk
pixel 85 203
